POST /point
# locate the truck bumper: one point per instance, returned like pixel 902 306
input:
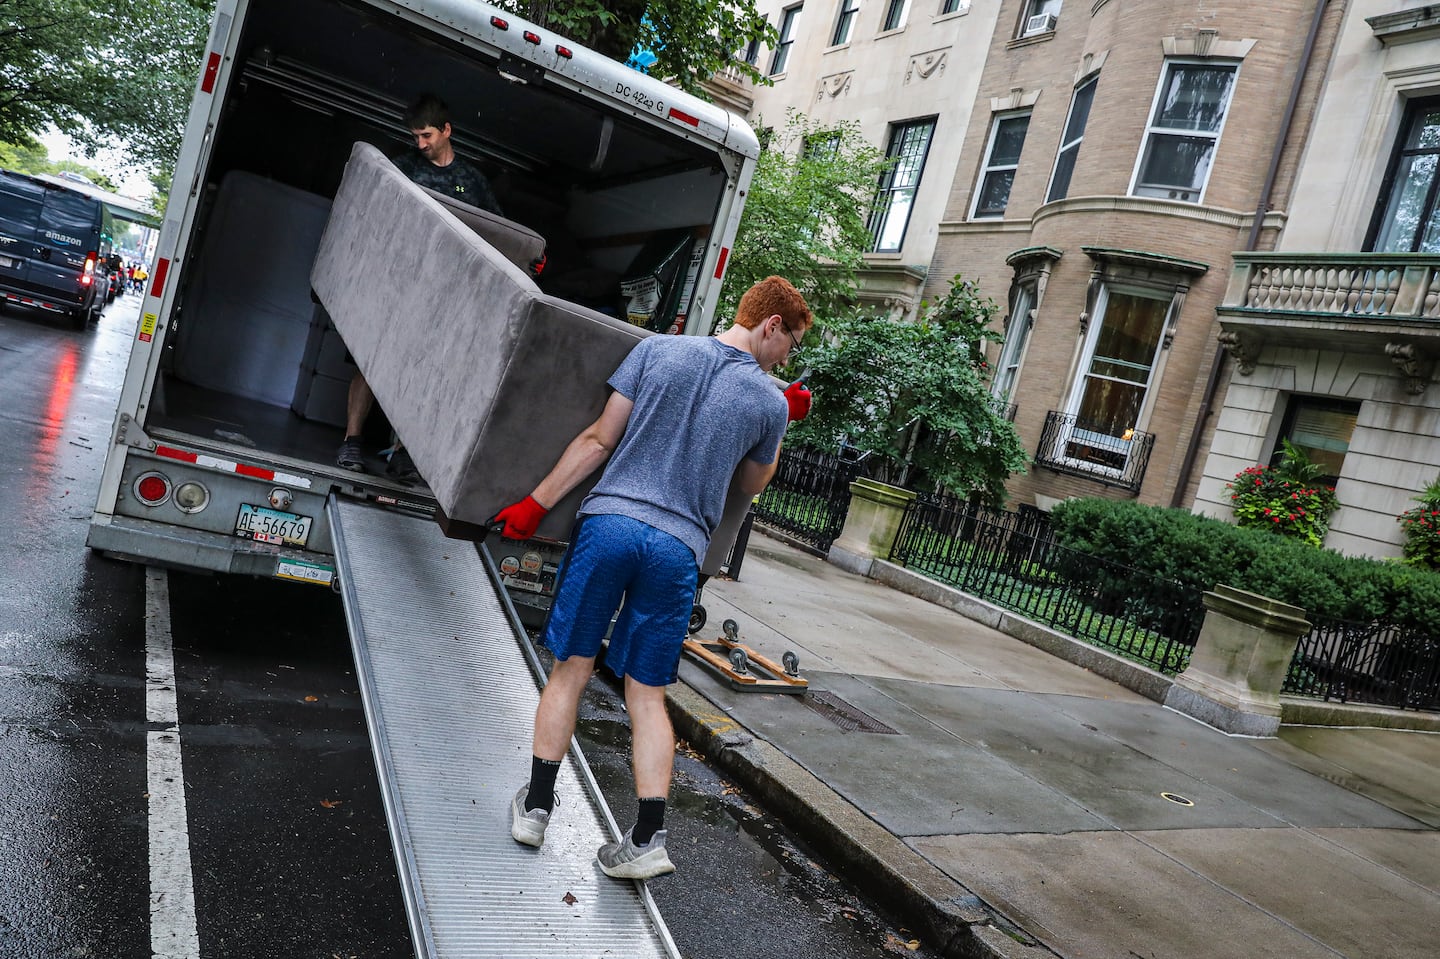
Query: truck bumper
pixel 159 544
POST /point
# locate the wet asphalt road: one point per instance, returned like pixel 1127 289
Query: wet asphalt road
pixel 288 847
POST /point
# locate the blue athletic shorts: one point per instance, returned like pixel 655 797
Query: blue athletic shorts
pixel 614 559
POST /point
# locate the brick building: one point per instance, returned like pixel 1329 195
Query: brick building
pixel 1208 223
pixel 1333 335
pixel 1116 156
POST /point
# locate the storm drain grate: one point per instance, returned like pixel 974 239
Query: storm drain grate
pixel 847 717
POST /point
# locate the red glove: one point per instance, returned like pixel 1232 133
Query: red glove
pixel 799 399
pixel 521 519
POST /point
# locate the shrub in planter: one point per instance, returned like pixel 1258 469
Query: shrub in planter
pixel 1288 499
pixel 1421 526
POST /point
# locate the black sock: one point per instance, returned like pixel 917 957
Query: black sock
pixel 541 794
pixel 649 821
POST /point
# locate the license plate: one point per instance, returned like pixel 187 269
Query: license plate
pixel 272 526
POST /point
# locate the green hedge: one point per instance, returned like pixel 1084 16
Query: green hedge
pixel 1200 552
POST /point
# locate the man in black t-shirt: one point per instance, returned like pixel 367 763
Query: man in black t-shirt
pixel 433 164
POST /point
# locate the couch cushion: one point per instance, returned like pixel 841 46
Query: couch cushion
pixel 517 243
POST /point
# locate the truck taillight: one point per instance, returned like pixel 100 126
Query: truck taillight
pixel 89 275
pixel 499 24
pixel 152 488
pixel 531 37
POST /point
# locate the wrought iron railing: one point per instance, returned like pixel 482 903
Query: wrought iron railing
pixel 1382 664
pixel 1011 560
pixel 1075 446
pixel 809 496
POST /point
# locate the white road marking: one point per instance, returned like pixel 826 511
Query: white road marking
pixel 172 887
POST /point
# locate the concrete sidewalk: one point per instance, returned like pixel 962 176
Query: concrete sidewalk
pixel 1019 805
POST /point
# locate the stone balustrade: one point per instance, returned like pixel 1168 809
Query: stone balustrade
pixel 1336 284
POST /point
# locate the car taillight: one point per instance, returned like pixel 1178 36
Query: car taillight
pixel 89 275
pixel 152 488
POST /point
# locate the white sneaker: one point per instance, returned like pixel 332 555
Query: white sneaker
pixel 625 860
pixel 527 825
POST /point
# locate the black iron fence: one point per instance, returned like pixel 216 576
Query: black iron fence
pixel 1011 560
pixel 1071 445
pixel 810 495
pixel 1382 664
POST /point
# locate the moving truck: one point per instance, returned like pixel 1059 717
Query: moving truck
pixel 222 455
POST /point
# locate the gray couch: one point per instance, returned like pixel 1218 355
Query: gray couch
pixel 484 377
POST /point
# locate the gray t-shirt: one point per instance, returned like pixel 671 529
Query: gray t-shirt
pixel 700 408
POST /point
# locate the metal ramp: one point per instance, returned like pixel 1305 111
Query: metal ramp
pixel 448 681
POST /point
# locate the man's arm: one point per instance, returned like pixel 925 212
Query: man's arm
pixel 586 452
pixel 753 477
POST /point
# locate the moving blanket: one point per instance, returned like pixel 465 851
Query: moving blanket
pixel 485 378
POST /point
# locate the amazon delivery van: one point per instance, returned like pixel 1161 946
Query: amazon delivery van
pixel 222 454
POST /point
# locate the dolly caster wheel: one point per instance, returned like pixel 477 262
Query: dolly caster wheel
pixel 791 662
pixel 697 619
pixel 732 629
pixel 739 662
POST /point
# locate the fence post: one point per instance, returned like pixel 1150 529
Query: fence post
pixel 1239 663
pixel 871 525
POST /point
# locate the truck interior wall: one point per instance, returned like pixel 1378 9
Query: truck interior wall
pixel 311 78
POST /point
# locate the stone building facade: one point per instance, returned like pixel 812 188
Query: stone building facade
pixel 1114 161
pixel 1333 335
pixel 1208 224
pixel 906 71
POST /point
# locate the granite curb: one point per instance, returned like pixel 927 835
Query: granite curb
pixel 947 917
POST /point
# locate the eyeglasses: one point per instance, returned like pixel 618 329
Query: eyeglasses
pixel 794 343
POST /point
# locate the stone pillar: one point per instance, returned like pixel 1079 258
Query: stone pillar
pixel 871 525
pixel 1239 663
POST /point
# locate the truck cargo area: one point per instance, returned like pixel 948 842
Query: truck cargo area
pixel 249 358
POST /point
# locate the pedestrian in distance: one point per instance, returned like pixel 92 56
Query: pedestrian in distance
pixel 685 415
pixel 433 164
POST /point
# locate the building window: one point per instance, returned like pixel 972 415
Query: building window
pixel 1007 138
pixel 845 22
pixel 1012 351
pixel 953 6
pixel 752 51
pixel 896 14
pixel 909 144
pixel 1321 428
pixel 1190 107
pixel 821 146
pixel 1405 218
pixel 1070 141
pixel 1039 16
pixel 1101 426
pixel 789 23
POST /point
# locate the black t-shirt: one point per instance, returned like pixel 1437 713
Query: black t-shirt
pixel 461 179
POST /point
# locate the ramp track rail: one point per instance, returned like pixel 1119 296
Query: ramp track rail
pixel 450 684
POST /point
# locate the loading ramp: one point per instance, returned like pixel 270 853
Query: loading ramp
pixel 450 684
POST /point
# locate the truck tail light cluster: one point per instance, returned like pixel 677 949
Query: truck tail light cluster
pixel 152 488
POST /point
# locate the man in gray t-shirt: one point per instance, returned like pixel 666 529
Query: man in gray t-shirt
pixel 686 416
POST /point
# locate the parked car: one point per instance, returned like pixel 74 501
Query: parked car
pixel 54 246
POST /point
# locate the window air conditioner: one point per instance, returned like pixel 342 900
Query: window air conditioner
pixel 1040 23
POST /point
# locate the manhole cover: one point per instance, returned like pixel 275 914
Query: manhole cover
pixel 847 717
pixel 1176 799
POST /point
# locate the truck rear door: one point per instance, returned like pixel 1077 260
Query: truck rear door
pixel 68 231
pixel 21 201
